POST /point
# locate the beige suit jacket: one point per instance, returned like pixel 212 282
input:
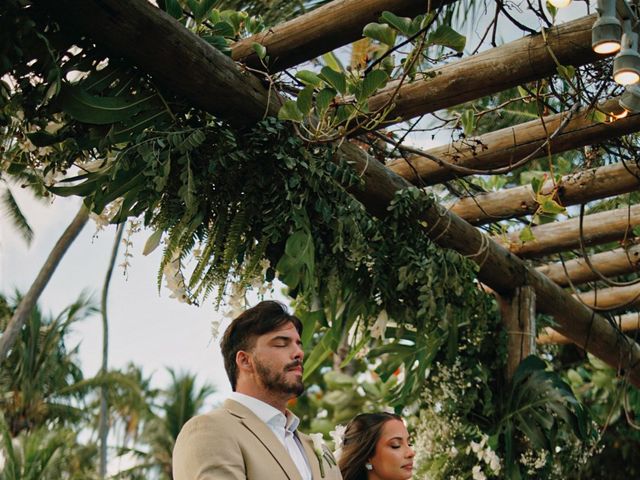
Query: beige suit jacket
pixel 232 443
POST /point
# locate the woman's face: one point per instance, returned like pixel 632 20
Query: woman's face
pixel 393 457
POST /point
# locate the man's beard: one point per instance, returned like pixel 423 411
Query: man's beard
pixel 276 381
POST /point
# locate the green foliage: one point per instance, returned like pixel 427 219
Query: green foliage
pixel 44 454
pixel 539 401
pixel 39 372
pixel 375 287
pixel 11 208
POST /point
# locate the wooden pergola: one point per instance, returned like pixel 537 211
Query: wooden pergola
pixel 182 62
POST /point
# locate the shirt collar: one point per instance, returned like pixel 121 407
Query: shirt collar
pixel 267 413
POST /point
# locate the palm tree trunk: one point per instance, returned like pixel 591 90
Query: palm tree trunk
pixel 103 427
pixel 27 303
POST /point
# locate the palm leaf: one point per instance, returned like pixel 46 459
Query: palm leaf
pixel 12 209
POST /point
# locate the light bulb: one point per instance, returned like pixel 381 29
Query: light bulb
pixel 618 116
pixel 560 3
pixel 626 65
pixel 607 29
pixel 626 77
pixel 606 48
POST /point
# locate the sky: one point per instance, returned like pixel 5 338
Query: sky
pixel 146 326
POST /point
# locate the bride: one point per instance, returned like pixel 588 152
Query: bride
pixel 376 447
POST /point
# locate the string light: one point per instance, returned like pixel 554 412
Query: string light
pixel 607 30
pixel 626 65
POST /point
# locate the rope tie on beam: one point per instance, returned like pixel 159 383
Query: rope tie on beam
pixel 483 249
pixel 441 214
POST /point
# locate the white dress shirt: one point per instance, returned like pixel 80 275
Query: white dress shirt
pixel 284 428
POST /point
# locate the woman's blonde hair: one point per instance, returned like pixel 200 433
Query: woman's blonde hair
pixel 359 443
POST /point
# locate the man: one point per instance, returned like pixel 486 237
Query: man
pixel 253 436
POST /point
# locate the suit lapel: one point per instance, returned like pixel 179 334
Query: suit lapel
pixel 265 436
pixel 307 443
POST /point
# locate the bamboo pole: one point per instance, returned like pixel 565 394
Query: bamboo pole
pixel 610 264
pixel 598 228
pixel 491 71
pixel 574 189
pixel 506 146
pixel 498 268
pixel 335 24
pixel 626 323
pixel 519 319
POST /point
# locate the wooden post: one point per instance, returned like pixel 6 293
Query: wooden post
pixel 519 320
pixel 626 323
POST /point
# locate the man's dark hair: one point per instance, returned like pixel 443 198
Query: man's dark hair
pixel 243 331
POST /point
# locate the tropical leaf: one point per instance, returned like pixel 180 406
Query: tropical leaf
pixel 447 37
pixel 381 32
pixel 290 111
pixel 13 211
pixel 402 24
pixel 98 110
pixel 538 402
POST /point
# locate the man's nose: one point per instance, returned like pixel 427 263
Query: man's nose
pixel 298 352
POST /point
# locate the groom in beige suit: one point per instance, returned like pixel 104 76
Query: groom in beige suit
pixel 253 435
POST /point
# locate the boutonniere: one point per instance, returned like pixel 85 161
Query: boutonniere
pixel 322 452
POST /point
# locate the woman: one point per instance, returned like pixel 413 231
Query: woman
pixel 376 447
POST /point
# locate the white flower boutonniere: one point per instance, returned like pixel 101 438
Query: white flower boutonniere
pixel 322 452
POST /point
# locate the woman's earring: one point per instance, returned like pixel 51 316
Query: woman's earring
pixel 368 466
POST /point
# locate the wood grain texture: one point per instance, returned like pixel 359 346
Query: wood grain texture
pixel 322 30
pixel 491 71
pixel 506 146
pixel 519 319
pixel 612 298
pixel 556 237
pixel 178 60
pixel 626 323
pixel 581 187
pixel 620 261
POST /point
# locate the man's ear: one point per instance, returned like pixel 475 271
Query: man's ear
pixel 244 361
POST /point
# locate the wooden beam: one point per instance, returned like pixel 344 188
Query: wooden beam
pixel 498 268
pixel 335 24
pixel 508 145
pixel 612 298
pixel 556 237
pixel 491 71
pixel 615 262
pixel 626 323
pixel 178 60
pixel 519 319
pixel 581 187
